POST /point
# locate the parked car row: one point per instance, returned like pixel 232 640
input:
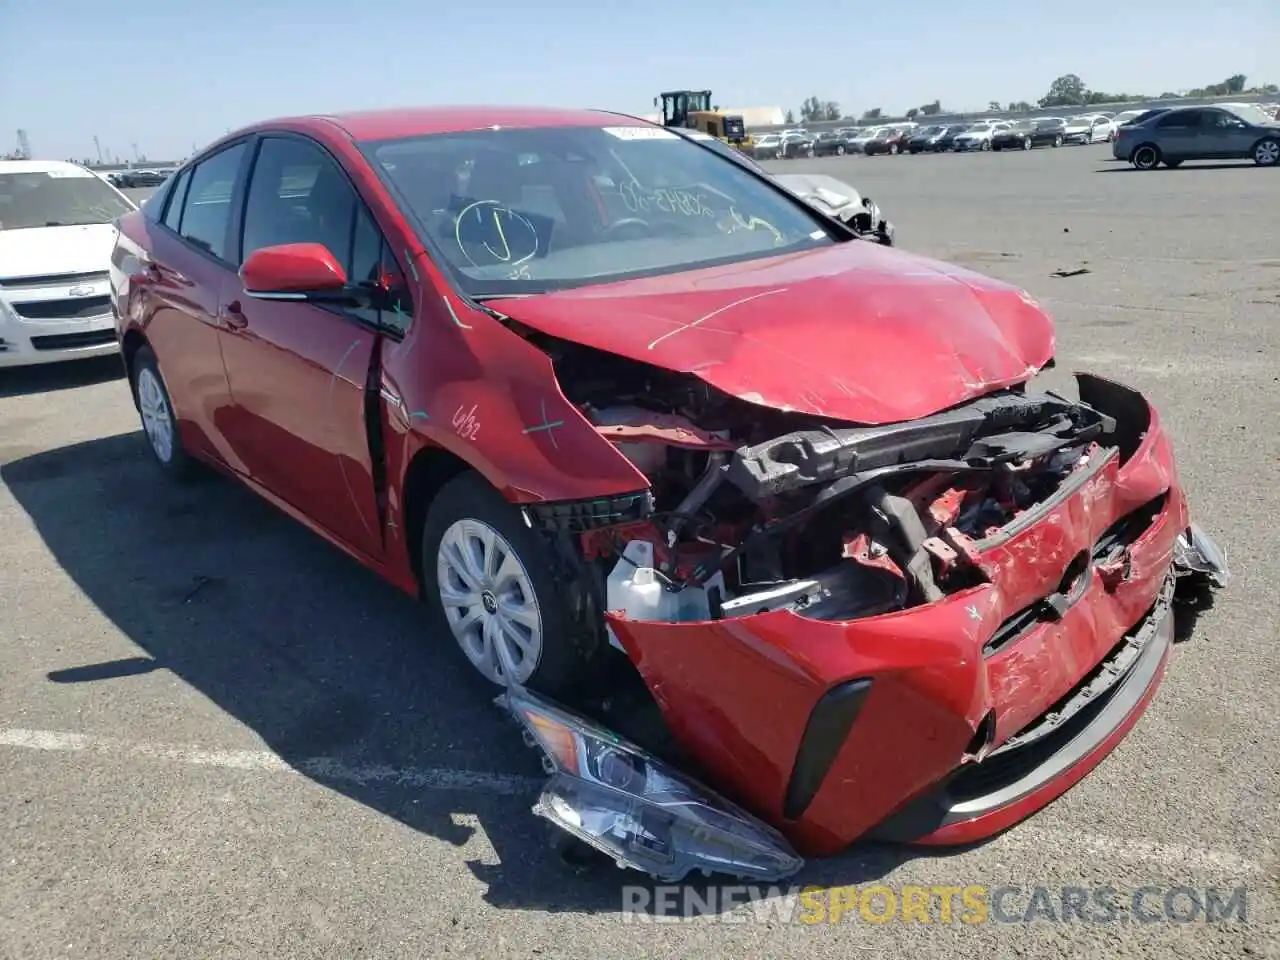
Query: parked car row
pixel 959 137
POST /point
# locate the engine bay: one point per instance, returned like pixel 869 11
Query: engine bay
pixel 752 509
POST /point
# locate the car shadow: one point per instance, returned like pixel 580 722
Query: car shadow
pixel 320 658
pixel 63 375
pixel 1181 168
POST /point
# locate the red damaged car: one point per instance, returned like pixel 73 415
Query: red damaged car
pixel 731 502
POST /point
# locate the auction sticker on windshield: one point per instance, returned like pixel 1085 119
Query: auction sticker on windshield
pixel 640 133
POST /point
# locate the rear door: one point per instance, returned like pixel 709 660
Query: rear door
pixel 298 372
pixel 185 264
pixel 1178 134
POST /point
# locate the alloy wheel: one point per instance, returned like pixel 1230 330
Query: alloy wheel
pixel 157 421
pixel 1267 153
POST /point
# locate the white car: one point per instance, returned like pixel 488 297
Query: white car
pixel 56 235
pixel 1088 129
pixel 978 137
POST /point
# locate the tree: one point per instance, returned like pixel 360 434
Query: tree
pixel 873 114
pixel 995 107
pixel 812 109
pixel 1067 91
pixel 830 110
pixel 791 118
pixel 913 113
pixel 1020 106
pixel 929 109
pixel 1235 83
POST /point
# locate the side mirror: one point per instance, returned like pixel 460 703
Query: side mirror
pixel 295 271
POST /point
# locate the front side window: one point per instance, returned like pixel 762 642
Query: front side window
pixel 299 194
pixel 627 202
pixel 1182 120
pixel 206 210
pixel 58 197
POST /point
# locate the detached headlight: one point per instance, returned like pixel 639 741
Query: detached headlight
pixel 612 795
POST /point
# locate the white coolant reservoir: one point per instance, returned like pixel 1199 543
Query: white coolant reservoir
pixel 636 590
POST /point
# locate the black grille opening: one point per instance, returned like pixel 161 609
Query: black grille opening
pixel 1074 581
pixel 65 341
pixel 1128 529
pixel 73 308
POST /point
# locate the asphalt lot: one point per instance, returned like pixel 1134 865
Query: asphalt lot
pixel 219 737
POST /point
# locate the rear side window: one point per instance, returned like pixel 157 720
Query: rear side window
pixel 177 196
pixel 206 210
pixel 1181 120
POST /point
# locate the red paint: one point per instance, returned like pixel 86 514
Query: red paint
pixel 293 267
pixel 823 332
pixel 275 393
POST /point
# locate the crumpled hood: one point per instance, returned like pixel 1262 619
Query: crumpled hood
pixel 855 331
pixel 45 251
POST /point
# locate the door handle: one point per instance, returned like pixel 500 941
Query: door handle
pixel 232 316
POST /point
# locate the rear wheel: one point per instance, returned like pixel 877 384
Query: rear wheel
pixel 491 581
pixel 159 423
pixel 1026 143
pixel 1266 152
pixel 1145 157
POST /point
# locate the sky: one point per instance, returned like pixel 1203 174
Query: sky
pixel 173 75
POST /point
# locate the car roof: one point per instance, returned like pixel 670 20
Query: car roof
pixel 393 124
pixel 40 166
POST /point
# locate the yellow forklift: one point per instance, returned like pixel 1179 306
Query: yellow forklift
pixel 692 110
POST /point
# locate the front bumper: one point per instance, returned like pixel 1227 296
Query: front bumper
pixel 871 721
pixel 25 343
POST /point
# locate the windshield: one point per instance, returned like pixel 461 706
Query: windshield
pixel 1023 125
pixel 57 198
pixel 523 211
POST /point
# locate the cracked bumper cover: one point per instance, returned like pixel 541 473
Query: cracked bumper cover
pixel 914 726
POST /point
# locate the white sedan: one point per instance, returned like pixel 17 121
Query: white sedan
pixel 1089 129
pixel 56 235
pixel 978 137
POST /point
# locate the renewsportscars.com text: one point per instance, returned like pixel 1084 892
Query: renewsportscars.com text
pixel 945 904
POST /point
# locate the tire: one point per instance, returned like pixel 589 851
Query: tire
pixel 1145 157
pixel 469 515
pixel 1026 143
pixel 1057 141
pixel 893 149
pixel 155 409
pixel 809 153
pixel 986 145
pixel 839 149
pixel 1266 152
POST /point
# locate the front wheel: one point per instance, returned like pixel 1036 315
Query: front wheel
pixel 986 144
pixel 1266 152
pixel 893 149
pixel 491 581
pixel 839 149
pixel 1026 143
pixel 1057 141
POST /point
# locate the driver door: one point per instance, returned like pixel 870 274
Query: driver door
pixel 297 372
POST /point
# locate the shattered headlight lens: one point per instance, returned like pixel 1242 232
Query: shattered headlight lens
pixel 615 797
